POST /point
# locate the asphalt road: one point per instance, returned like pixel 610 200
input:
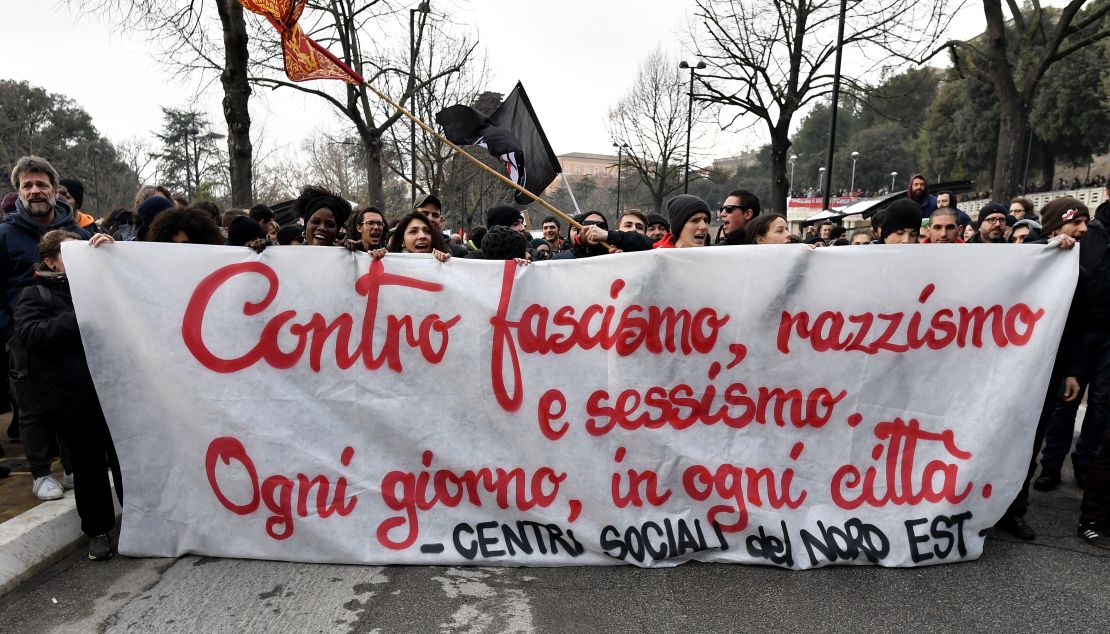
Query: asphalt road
pixel 1056 583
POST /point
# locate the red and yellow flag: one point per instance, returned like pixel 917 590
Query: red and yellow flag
pixel 304 58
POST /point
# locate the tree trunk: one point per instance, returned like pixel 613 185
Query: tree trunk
pixel 780 186
pixel 237 93
pixel 1009 162
pixel 1048 163
pixel 372 153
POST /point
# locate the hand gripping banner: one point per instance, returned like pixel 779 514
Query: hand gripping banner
pixel 771 405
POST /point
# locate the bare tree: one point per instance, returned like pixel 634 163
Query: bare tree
pixel 191 41
pixel 355 32
pixel 432 156
pixel 768 60
pixel 651 122
pixel 335 163
pixel 1013 56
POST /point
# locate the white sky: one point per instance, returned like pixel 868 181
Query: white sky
pixel 575 57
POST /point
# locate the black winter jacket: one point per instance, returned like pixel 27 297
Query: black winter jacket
pixel 47 357
pixel 1094 260
pixel 19 251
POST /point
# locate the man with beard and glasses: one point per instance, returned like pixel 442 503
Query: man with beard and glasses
pixel 992 225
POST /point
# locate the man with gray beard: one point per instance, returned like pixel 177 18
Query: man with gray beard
pixel 37 210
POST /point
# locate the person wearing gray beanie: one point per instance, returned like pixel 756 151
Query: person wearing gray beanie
pixel 689 216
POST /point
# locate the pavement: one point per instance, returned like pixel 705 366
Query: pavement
pixel 1056 583
pixel 33 534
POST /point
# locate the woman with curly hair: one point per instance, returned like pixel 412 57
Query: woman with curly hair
pixel 193 225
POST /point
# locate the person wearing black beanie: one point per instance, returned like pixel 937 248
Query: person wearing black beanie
pixel 76 191
pixel 244 230
pixel 290 235
pixel 657 227
pixel 505 216
pixel 689 216
pixel 72 191
pixel 503 243
pixel 901 223
pixel 148 211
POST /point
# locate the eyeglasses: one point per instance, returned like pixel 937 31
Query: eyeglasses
pixel 995 221
pixel 727 209
pixel 435 215
pixel 371 223
pixel 593 223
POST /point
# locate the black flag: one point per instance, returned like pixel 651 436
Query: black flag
pixel 512 134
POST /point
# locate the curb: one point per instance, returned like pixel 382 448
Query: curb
pixel 36 539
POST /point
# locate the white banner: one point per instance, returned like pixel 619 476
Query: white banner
pixel 774 405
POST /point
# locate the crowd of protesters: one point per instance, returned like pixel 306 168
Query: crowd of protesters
pixel 56 411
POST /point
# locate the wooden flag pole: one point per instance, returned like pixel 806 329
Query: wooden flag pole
pixel 508 181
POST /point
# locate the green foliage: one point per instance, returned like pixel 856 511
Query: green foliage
pixel 34 121
pixel 1070 112
pixel 960 135
pixel 191 160
pixel 879 122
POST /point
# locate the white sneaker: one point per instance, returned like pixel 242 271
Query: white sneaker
pixel 47 488
pixel 67 481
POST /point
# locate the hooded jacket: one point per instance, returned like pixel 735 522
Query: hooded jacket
pixel 929 202
pixel 19 251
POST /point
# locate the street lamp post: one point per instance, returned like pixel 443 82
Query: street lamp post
pixel 689 120
pixel 893 175
pixel 425 8
pixel 793 160
pixel 821 178
pixel 620 148
pixel 95 152
pixel 852 188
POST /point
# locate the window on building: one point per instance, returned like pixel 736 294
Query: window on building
pixel 576 170
pixel 596 171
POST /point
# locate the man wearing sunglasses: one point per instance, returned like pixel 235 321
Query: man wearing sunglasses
pixel 739 208
pixel 433 209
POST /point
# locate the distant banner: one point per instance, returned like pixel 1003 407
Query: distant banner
pixel 768 405
pixel 816 203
